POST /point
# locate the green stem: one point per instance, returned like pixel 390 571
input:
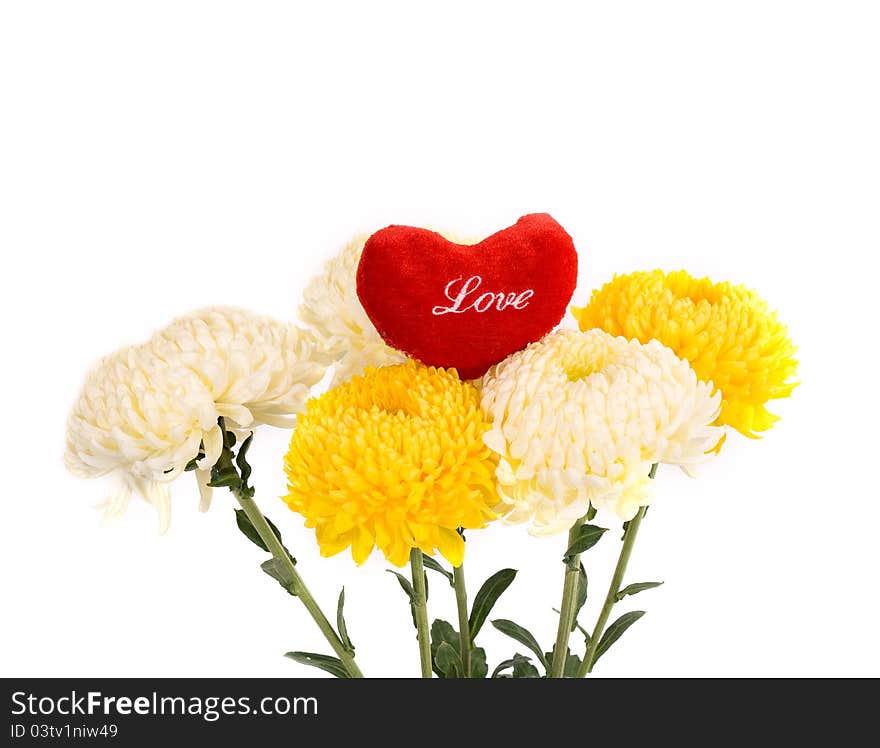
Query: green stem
pixel 629 540
pixel 302 592
pixel 566 610
pixel 464 627
pixel 420 608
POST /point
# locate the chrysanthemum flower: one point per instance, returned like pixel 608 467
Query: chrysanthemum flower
pixel 393 459
pixel 579 418
pixel 141 420
pixel 727 333
pixel 145 412
pixel 331 308
pixel 258 370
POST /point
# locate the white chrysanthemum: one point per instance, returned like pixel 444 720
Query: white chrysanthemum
pixel 140 420
pixel 580 417
pixel 332 309
pixel 258 370
pixel 147 411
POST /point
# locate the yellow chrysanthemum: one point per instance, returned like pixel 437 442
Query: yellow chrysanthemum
pixel 393 459
pixel 727 332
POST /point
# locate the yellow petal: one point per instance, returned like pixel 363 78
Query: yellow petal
pixel 451 546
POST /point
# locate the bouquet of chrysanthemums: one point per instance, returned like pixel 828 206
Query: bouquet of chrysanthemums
pixel 454 402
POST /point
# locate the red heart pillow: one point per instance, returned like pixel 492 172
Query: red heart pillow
pixel 467 307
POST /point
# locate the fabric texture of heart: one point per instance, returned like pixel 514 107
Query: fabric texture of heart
pixel 467 306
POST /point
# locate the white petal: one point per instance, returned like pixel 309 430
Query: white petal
pixel 161 499
pixel 212 442
pixel 205 491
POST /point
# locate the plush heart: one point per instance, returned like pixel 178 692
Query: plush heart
pixel 467 306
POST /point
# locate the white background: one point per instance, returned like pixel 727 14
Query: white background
pixel 155 157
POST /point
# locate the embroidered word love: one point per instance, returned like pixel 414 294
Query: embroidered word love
pixel 464 300
pixel 467 306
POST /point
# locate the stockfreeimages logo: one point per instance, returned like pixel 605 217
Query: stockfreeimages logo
pixel 209 708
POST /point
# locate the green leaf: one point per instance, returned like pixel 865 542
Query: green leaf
pixel 340 622
pixel 274 529
pixel 228 436
pixel 279 572
pixel 224 476
pixel 525 669
pixel 572 662
pixel 479 668
pixel 486 598
pixel 246 526
pixel 581 596
pixel 522 668
pixel 447 663
pixel 407 587
pixel 241 461
pixel 443 633
pixel 522 635
pixel 506 665
pixel 223 472
pixel 446 653
pixel 329 664
pixel 583 631
pixel 248 530
pixel 433 565
pixel 587 537
pixel 634 589
pixel 404 584
pixel 615 631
